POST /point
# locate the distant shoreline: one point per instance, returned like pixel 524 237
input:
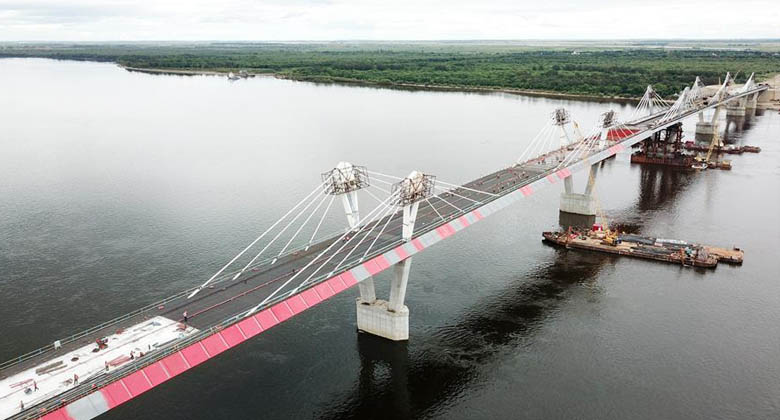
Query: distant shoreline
pixel 772 80
pixel 399 86
pixel 172 71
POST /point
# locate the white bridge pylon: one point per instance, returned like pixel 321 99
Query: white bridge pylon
pixel 345 180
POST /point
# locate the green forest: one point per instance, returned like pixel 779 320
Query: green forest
pixel 623 72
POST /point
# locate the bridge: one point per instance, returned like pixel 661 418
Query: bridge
pixel 292 267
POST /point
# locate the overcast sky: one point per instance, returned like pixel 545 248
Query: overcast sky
pixel 104 20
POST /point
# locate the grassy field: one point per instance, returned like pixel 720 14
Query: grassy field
pixel 582 68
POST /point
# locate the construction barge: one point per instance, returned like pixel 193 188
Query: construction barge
pixel 667 250
pixel 730 149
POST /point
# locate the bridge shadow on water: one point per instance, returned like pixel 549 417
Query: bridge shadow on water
pixel 420 379
pixel 396 384
pixel 658 186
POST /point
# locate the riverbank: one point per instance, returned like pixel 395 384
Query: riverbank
pixel 184 72
pixel 471 89
pixel 772 80
pixel 399 86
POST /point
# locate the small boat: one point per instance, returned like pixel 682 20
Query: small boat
pixel 232 76
pixel 699 166
pixel 723 164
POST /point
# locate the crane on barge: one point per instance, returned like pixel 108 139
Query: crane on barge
pixel 707 162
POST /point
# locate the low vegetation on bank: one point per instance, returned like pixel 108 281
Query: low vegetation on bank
pixel 622 72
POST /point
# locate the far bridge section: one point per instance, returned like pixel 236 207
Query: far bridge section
pixel 292 266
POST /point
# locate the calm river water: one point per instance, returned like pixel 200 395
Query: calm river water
pixel 120 188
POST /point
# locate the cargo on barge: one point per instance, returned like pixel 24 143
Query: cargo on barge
pixel 730 149
pixel 667 250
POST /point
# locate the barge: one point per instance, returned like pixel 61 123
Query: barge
pixel 667 250
pixel 730 149
pixel 681 161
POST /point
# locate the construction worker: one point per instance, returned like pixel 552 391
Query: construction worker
pixel 75 379
pixel 35 385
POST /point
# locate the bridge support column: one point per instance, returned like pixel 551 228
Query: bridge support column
pixel 750 105
pixel 578 209
pixel 367 289
pixel 390 319
pixel 704 129
pixel 736 108
pixel 735 111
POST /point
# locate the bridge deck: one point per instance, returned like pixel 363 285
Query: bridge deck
pixel 226 298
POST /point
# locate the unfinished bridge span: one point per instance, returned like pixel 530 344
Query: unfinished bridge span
pixel 293 266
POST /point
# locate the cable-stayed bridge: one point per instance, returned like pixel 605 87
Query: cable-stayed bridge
pixel 293 265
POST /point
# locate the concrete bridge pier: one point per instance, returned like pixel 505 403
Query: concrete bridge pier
pixel 736 108
pixel 735 121
pixel 704 129
pixel 390 319
pixel 751 103
pixel 578 209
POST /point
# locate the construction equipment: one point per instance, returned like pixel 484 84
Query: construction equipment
pixel 716 142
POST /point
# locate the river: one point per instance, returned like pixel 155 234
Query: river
pixel 120 188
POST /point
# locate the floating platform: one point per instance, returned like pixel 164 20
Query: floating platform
pixel 681 161
pixel 667 250
pixel 730 149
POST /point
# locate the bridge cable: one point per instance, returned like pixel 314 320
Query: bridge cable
pixel 450 204
pixel 305 222
pixel 389 206
pixel 380 234
pixel 198 289
pixel 389 199
pixel 296 275
pixel 385 213
pixel 379 200
pixel 268 245
pixel 434 209
pixel 325 213
pixel 458 195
